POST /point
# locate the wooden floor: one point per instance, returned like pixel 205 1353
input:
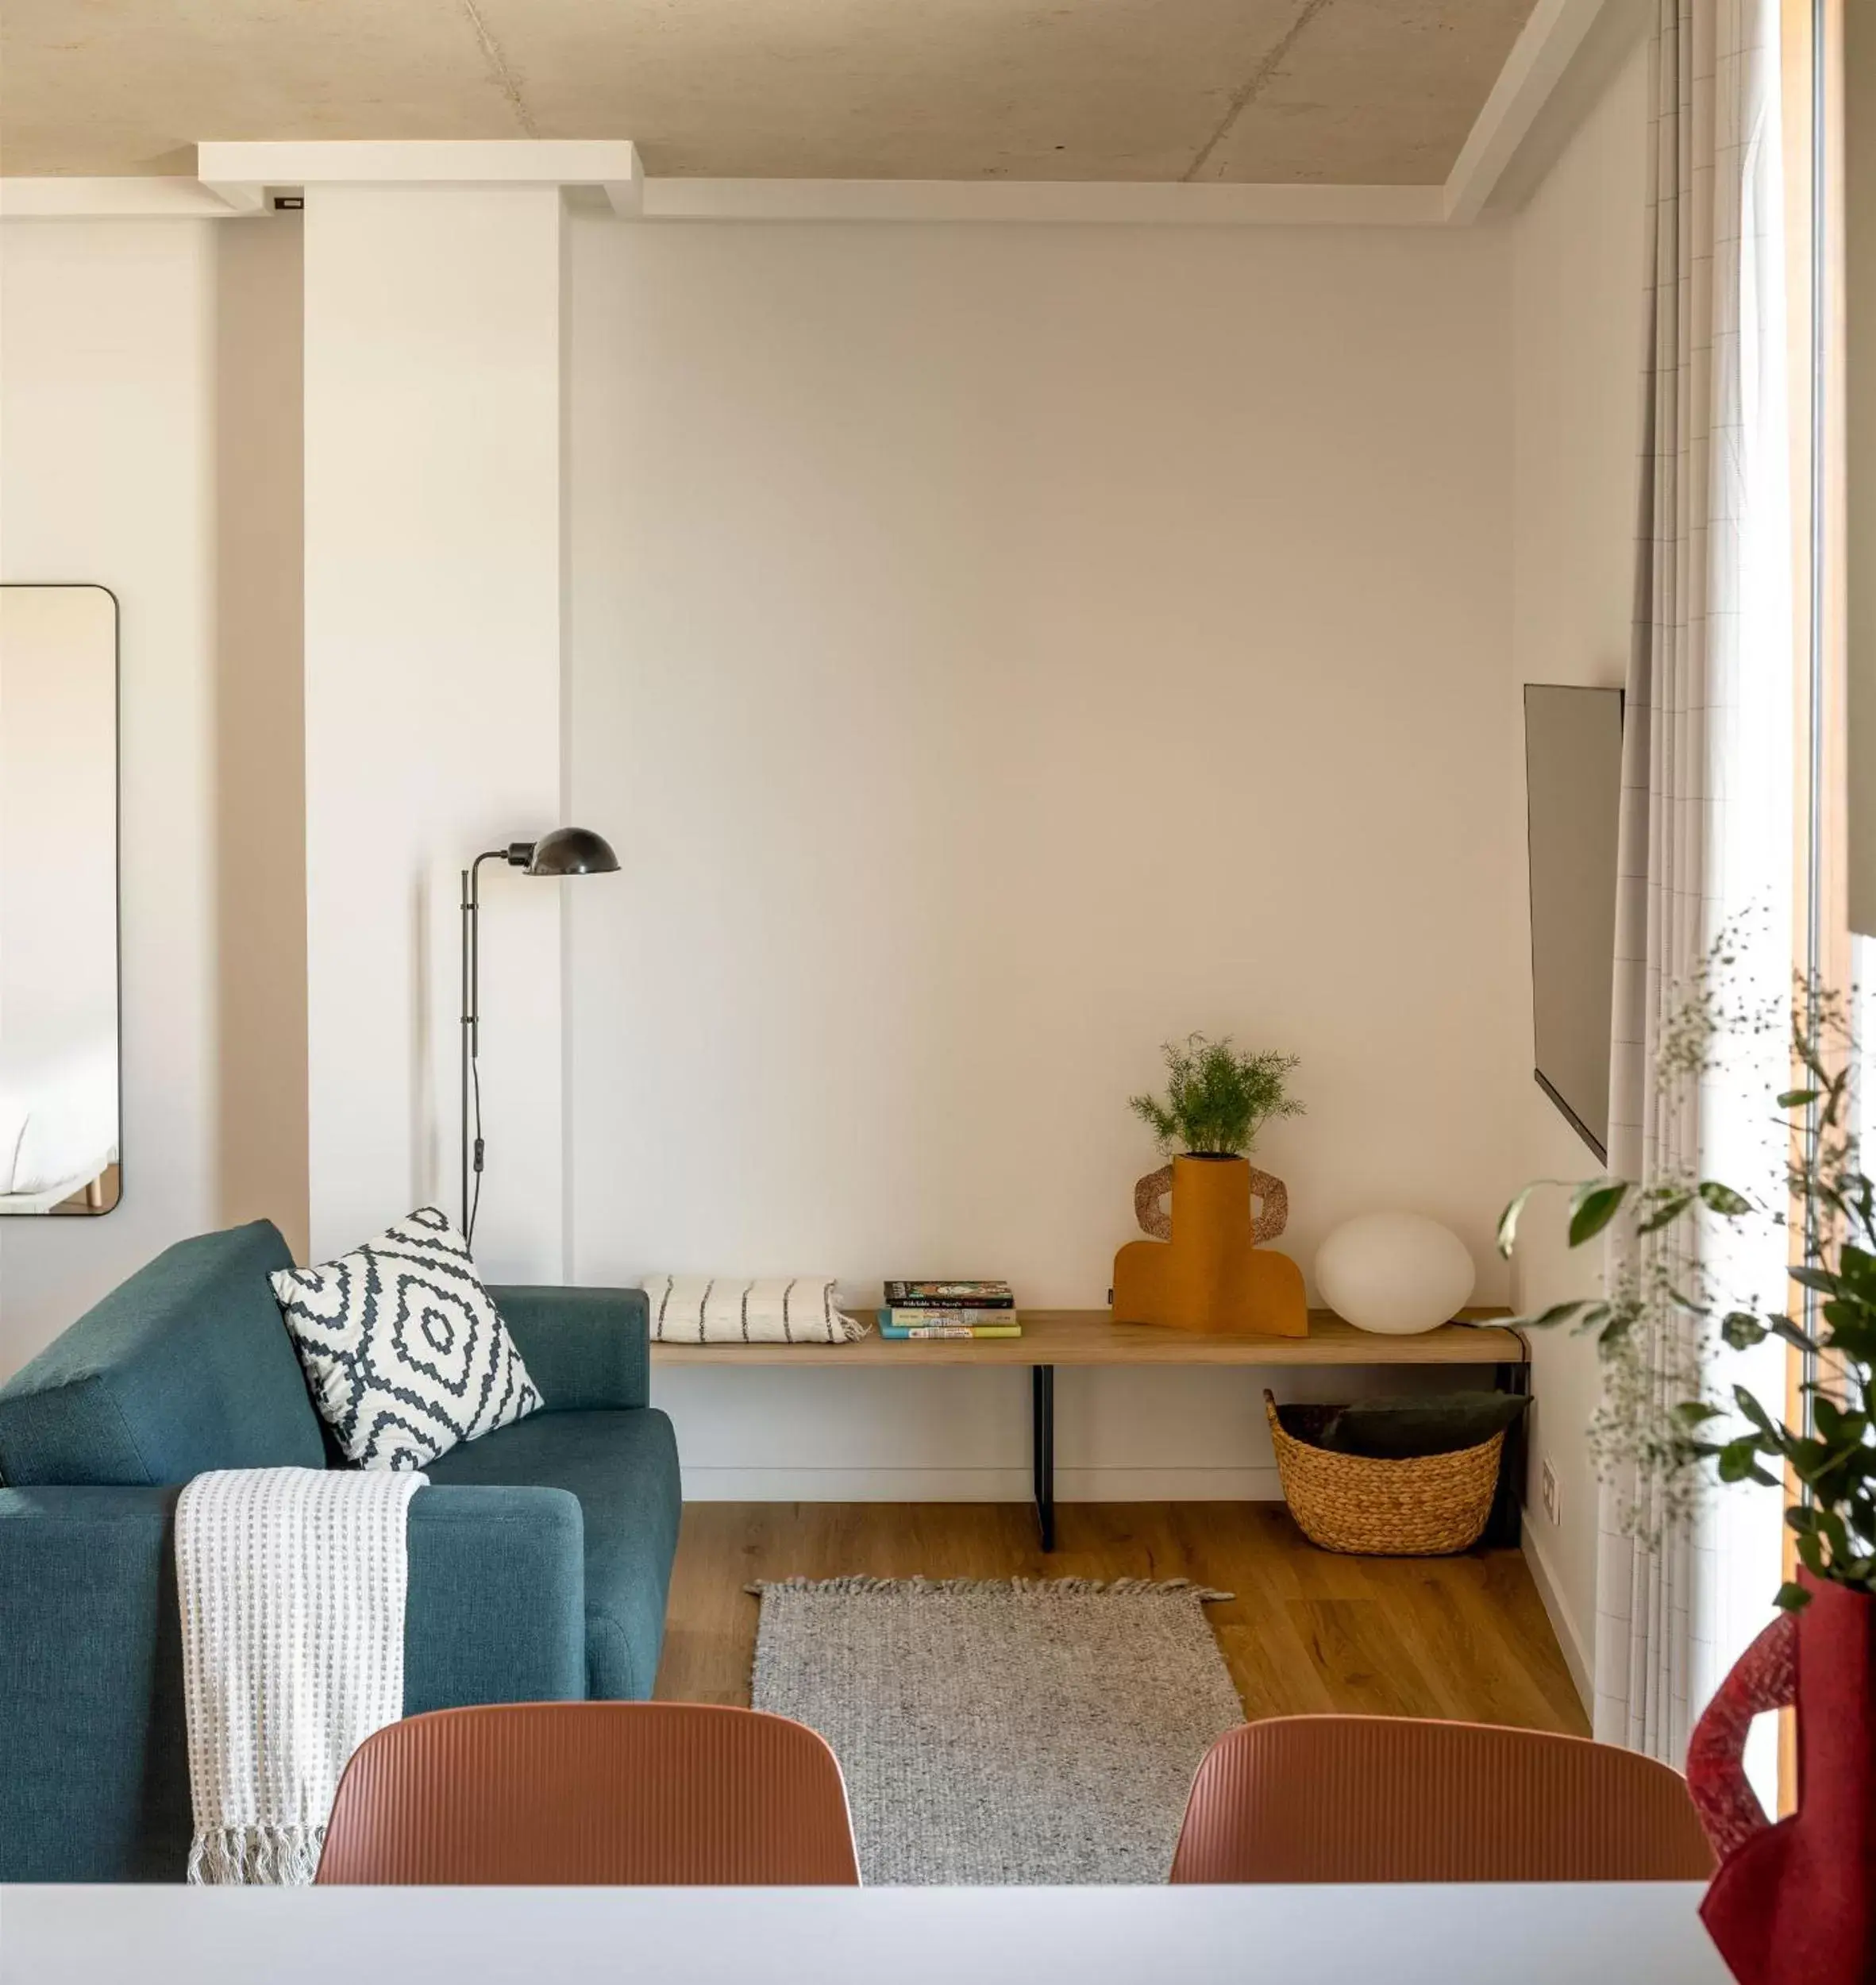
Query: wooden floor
pixel 1463 1637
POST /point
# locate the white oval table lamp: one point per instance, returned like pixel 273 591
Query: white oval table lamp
pixel 1396 1273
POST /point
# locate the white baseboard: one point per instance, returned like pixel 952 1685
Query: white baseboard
pixel 978 1485
pixel 1569 1639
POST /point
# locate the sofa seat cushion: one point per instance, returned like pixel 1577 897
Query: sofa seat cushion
pixel 185 1368
pixel 622 1467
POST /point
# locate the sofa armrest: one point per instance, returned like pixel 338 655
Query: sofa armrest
pixel 96 1782
pixel 496 1608
pixel 93 1731
pixel 584 1348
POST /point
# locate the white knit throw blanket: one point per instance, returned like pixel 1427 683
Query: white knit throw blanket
pixel 292 1583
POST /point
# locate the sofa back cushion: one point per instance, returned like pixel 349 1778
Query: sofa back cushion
pixel 186 1367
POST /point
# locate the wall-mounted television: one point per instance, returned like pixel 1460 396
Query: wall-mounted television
pixel 1573 778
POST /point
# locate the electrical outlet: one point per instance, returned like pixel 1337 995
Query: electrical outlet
pixel 1547 1489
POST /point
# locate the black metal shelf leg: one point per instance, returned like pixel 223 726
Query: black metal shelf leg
pixel 1041 1449
pixel 1504 1527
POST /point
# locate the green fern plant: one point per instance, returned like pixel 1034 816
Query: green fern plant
pixel 1216 1099
pixel 1664 1300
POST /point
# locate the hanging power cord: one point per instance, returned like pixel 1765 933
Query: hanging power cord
pixel 565 852
pixel 476 1194
pixel 472 1026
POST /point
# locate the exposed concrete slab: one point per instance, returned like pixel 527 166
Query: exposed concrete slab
pixel 1336 91
pixel 1379 92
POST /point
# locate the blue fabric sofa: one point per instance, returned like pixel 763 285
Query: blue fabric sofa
pixel 539 1558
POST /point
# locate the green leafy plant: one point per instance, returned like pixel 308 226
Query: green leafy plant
pixel 1216 1099
pixel 1650 1324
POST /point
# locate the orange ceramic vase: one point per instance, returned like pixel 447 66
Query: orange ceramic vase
pixel 1206 1272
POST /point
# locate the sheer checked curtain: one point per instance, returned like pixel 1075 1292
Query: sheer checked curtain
pixel 1707 829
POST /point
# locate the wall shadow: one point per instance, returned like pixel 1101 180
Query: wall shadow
pixel 260 889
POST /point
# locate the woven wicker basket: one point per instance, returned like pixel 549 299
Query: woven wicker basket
pixel 1421 1507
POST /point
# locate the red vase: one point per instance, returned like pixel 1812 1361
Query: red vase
pixel 1795 1903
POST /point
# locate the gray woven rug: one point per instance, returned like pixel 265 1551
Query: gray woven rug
pixel 1004 1730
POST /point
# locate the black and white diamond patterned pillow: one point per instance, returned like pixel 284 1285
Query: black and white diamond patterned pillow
pixel 406 1353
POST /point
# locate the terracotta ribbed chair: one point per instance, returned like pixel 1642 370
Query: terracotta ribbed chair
pixel 1362 1799
pixel 592 1794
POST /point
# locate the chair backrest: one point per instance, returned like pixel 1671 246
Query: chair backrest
pixel 1358 1798
pixel 541 1793
pixel 185 1368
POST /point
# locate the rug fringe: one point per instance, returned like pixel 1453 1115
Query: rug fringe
pixel 1104 1588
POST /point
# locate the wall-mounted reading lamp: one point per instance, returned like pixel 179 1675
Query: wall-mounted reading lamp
pixel 566 851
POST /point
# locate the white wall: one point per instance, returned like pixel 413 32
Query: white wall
pixel 108 473
pixel 1578 324
pixel 433 706
pixel 1860 445
pixel 996 651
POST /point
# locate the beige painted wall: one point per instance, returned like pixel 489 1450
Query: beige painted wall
pixel 260 764
pixel 995 652
pixel 113 362
pixel 1577 269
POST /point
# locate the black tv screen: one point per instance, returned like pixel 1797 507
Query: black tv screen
pixel 1572 776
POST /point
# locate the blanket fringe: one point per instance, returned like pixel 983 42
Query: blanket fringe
pixel 256 1856
pixel 857 1582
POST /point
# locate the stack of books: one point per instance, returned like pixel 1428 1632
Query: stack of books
pixel 920 1309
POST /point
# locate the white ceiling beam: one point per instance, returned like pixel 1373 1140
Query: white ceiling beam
pixel 1058 201
pixel 1537 59
pixel 239 196
pixel 112 199
pixel 250 169
pixel 237 178
pixel 626 193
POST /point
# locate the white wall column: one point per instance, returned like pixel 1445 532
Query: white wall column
pixel 434 613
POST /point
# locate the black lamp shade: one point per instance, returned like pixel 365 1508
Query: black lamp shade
pixel 572 851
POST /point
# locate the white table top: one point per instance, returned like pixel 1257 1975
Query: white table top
pixel 1559 1934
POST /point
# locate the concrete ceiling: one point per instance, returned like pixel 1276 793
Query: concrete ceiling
pixel 1376 92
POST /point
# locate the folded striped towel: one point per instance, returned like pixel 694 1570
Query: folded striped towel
pixel 738 1309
